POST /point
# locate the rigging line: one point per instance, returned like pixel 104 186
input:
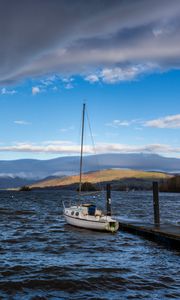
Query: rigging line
pixel 94 147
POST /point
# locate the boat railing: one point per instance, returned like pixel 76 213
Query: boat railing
pixel 63 203
pixel 91 193
pixel 69 203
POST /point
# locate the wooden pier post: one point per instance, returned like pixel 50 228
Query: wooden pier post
pixel 156 204
pixel 108 199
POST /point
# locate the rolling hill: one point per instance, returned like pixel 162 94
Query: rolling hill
pixel 113 176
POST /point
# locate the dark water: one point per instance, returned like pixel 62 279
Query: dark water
pixel 43 258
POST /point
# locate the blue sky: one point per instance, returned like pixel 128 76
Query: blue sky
pixel 127 72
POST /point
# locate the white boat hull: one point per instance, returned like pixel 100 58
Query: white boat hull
pixel 100 224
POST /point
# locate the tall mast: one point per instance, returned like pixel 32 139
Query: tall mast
pixel 82 140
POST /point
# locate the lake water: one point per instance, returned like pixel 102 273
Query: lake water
pixel 43 258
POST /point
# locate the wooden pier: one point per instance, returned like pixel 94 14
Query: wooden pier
pixel 165 234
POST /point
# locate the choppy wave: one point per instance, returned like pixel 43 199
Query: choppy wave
pixel 41 257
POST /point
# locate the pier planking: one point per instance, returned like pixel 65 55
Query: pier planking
pixel 166 233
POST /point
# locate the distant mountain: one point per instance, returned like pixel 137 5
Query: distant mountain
pixel 69 165
pixel 7 182
pixel 37 169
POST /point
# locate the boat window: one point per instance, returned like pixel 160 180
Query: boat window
pixel 77 214
pixel 72 213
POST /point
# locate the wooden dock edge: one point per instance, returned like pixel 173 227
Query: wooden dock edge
pixel 154 234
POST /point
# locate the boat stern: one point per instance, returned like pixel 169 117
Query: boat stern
pixel 112 226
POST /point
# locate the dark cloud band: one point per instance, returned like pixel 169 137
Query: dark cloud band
pixel 40 37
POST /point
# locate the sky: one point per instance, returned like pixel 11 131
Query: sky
pixel 122 58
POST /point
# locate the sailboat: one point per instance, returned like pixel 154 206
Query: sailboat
pixel 87 215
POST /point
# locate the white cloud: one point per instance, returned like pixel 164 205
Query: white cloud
pixel 172 121
pixel 157 32
pixel 69 86
pixel 54 88
pixel 118 123
pixel 68 82
pixel 49 148
pixel 35 90
pixel 67 79
pixel 57 142
pixel 92 78
pixel 5 91
pixel 162 29
pixel 118 74
pixel 22 122
pixel 48 83
pixel 152 148
pixel 67 129
pixel 65 148
pixel 49 80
